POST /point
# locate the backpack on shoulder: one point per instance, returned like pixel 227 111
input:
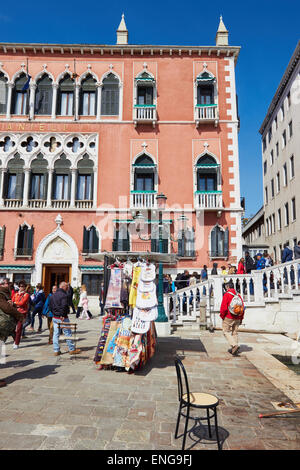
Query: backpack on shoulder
pixel 236 306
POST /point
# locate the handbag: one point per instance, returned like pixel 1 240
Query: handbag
pixel 7 325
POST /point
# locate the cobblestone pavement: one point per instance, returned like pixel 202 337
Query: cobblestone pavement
pixel 65 403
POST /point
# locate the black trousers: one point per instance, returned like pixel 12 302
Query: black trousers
pixel 79 310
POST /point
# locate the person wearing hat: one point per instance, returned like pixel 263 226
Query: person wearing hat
pixel 231 319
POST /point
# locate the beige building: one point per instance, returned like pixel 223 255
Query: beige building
pixel 254 234
pixel 280 133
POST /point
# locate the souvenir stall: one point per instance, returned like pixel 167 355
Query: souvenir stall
pixel 128 335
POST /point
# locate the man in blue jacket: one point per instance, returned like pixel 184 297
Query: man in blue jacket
pixel 287 255
pixel 59 307
pixel 38 301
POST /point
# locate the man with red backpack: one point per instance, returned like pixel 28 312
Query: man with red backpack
pixel 232 313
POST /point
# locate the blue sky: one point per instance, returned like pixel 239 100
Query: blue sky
pixel 267 31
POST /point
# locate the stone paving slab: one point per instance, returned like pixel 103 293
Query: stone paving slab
pixel 66 403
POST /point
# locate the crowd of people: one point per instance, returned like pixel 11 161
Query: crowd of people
pixel 22 303
pixel 30 302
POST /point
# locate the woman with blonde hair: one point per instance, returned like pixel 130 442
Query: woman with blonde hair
pixel 83 304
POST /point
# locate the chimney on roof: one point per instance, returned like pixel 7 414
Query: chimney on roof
pixel 122 32
pixel 222 34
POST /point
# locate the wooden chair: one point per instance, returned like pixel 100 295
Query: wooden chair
pixel 189 400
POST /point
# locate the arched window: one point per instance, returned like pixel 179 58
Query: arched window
pixel 3 93
pixel 90 240
pixel 186 243
pixel 207 174
pixel 205 89
pixel 25 241
pixel 145 89
pixel 219 242
pixel 65 96
pixel 155 248
pixel 144 170
pixel 20 98
pixel 14 179
pixel 85 179
pixel 121 241
pixel 43 96
pixel 110 96
pixel 61 181
pixel 38 179
pixel 88 97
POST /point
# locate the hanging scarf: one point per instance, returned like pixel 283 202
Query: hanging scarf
pixel 114 289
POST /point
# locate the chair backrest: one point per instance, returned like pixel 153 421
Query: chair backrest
pixel 182 380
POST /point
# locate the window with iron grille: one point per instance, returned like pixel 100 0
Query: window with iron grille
pixel 92 283
pixel 90 240
pixel 110 96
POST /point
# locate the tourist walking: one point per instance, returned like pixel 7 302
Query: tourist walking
pixel 60 309
pixel 70 293
pixel 47 313
pixel 9 321
pixel 38 301
pixel 241 267
pixel 83 304
pixel 231 321
pixel 287 255
pixel 297 256
pixel 101 299
pixel 21 301
pixel 27 322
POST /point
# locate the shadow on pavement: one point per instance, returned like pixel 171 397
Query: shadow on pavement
pixel 199 434
pixel 35 373
pixel 20 363
pixel 167 348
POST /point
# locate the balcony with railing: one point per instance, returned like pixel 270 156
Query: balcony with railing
pixel 208 200
pixel 37 203
pixel 144 113
pixel 83 204
pixel 13 203
pixel 23 252
pixel 143 200
pixel 206 113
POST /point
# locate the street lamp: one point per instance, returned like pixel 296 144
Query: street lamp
pixel 161 204
pixel 139 223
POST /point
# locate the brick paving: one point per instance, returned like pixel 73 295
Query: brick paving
pixel 65 403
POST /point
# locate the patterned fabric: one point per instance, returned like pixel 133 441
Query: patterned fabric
pixel 120 354
pixel 107 356
pixel 135 350
pixel 134 285
pixel 114 289
pixel 102 340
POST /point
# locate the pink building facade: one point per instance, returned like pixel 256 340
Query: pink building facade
pixel 93 136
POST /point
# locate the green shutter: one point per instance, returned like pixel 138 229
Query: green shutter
pixel 5 185
pixel 2 237
pixel 213 242
pixel 95 242
pixel 30 239
pixel 85 248
pixel 226 243
pixel 19 185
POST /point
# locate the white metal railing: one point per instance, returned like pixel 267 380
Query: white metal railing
pixel 208 200
pixel 60 204
pixel 145 113
pixel 83 204
pixel 143 200
pixel 13 203
pixel 206 113
pixel 37 203
pixel 141 246
pixel 269 284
